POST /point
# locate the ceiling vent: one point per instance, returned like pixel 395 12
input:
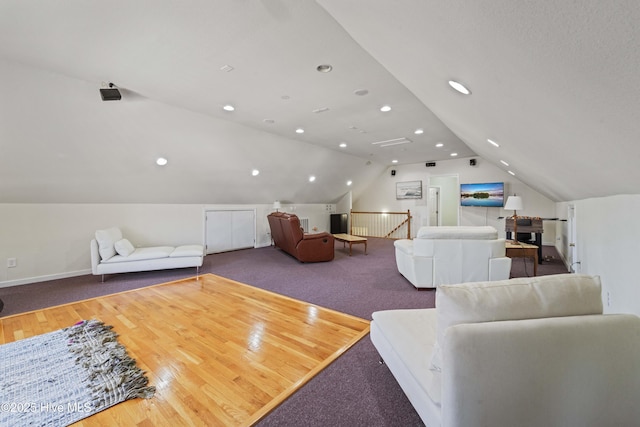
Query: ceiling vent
pixel 390 142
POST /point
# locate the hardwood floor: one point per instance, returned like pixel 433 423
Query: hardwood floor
pixel 218 352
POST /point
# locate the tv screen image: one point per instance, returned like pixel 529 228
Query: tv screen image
pixel 489 194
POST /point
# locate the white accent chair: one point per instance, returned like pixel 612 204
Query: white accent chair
pixel 447 255
pixel 524 352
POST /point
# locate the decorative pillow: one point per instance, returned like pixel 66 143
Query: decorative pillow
pixel 106 240
pixel 124 247
pixel 516 299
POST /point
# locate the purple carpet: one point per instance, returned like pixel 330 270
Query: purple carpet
pixel 354 390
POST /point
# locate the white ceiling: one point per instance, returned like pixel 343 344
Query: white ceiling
pixel 555 83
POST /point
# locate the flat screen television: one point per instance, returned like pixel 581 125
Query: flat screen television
pixel 488 194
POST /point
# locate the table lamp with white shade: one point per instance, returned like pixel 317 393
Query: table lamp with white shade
pixel 277 205
pixel 514 203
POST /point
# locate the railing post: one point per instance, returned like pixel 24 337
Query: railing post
pixel 351 222
pixel 408 224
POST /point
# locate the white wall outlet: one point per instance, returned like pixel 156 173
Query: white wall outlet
pixel 11 262
pixel 608 299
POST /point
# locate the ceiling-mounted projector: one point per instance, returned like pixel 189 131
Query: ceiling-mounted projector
pixel 111 93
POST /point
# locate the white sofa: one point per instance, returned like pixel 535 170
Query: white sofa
pixel 521 352
pixel 110 253
pixel 452 255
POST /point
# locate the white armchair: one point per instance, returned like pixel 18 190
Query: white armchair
pixel 446 255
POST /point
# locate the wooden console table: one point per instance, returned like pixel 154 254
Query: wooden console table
pixel 348 238
pixel 526 225
pixel 523 250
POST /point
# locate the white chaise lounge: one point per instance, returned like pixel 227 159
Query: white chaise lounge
pixel 110 254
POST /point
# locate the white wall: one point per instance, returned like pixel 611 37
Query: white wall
pixel 344 204
pixel 380 195
pixel 51 241
pixel 318 214
pixel 608 244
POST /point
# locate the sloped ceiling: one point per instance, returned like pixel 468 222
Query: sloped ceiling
pixel 555 83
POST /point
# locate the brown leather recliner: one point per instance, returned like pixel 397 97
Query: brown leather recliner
pixel 288 236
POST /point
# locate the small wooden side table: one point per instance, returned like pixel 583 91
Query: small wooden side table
pixel 523 250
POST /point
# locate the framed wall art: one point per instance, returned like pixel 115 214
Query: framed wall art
pixel 409 190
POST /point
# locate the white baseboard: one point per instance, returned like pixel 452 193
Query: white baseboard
pixel 563 259
pixel 28 280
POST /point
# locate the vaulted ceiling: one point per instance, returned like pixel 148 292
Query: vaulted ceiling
pixel 554 83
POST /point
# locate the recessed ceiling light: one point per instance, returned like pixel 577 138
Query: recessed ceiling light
pixel 324 68
pixel 504 163
pixel 459 87
pixel 312 178
pixel 343 145
pixel 418 131
pixel 495 144
pixel 511 173
pixel 394 161
pixel 228 107
pixel 161 161
pixel 349 182
pixel 226 68
pixel 439 144
pixel 361 92
pixel 385 108
pixel 453 154
pixel 299 130
pixel 255 172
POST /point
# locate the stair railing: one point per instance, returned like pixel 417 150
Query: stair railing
pixel 390 225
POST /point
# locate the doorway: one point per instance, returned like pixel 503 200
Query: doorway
pixel 448 198
pixel 433 205
pixel 572 249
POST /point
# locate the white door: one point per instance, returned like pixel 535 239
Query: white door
pixel 228 230
pixel 243 229
pixel 449 195
pixel 434 205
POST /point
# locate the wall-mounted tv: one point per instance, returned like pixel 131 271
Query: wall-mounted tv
pixel 489 194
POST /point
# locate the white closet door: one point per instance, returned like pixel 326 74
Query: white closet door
pixel 243 229
pixel 230 230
